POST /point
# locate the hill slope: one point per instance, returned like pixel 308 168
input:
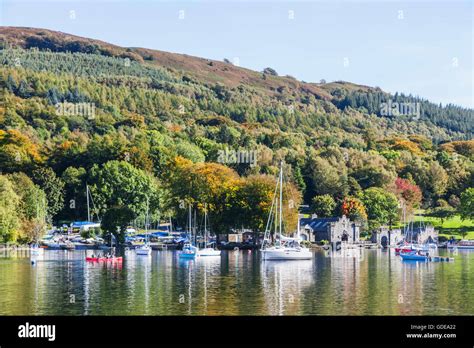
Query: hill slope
pixel 151 107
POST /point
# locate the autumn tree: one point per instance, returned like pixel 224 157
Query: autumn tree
pixel 354 209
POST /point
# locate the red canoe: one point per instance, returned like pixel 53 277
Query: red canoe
pixel 404 250
pixel 104 259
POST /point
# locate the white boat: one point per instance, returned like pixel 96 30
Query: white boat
pixel 189 251
pixel 283 248
pixel 207 250
pixel 287 253
pixel 464 244
pixel 144 249
pixel 36 250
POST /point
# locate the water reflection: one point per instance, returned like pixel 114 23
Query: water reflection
pixel 369 282
pixel 283 283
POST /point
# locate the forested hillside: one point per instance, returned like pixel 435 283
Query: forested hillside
pixel 160 123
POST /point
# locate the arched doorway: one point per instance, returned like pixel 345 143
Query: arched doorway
pixel 384 241
pixel 345 236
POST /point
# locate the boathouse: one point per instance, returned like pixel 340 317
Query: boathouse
pixel 385 237
pixel 421 234
pixel 333 229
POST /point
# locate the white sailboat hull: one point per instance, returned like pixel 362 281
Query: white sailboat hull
pixel 287 254
pixel 208 252
pixel 37 251
pixel 143 251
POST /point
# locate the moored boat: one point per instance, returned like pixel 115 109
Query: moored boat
pixel 36 250
pixel 283 248
pixel 208 252
pixel 189 251
pixel 414 256
pixel 208 249
pixel 463 244
pixel 145 249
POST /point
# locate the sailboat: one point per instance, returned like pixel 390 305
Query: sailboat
pixel 189 250
pixel 207 250
pixel 145 249
pixel 284 248
pixel 35 249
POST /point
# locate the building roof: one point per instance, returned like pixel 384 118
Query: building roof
pixel 318 224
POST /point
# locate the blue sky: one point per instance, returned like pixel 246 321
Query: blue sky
pixel 419 47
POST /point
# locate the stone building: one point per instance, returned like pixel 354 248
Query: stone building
pixel 384 237
pixel 333 229
pixel 422 235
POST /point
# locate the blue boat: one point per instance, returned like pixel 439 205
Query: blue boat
pixel 188 252
pixel 414 256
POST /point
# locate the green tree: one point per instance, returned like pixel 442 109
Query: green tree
pixel 53 187
pixel 327 179
pixel 119 184
pixel 382 207
pixel 32 209
pixel 9 211
pixel 115 221
pixel 323 205
pixel 466 207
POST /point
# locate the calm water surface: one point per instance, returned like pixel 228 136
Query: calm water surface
pixel 369 282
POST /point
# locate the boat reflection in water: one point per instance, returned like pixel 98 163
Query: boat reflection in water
pixel 360 282
pixel 284 284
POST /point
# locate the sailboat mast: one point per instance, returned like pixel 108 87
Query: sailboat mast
pixel 88 208
pixel 281 196
pixel 146 218
pixel 189 224
pixel 205 226
pixel 194 228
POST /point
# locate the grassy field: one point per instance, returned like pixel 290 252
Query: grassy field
pixel 449 227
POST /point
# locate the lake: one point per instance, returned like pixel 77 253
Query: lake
pixel 353 282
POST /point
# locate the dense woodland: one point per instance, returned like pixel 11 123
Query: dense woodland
pixel 156 135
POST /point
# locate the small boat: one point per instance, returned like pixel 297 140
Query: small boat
pixel 411 247
pixel 144 249
pixel 36 250
pixel 441 259
pixel 68 245
pixel 208 252
pixel 414 256
pixel 464 244
pixel 104 259
pixel 189 251
pixel 403 249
